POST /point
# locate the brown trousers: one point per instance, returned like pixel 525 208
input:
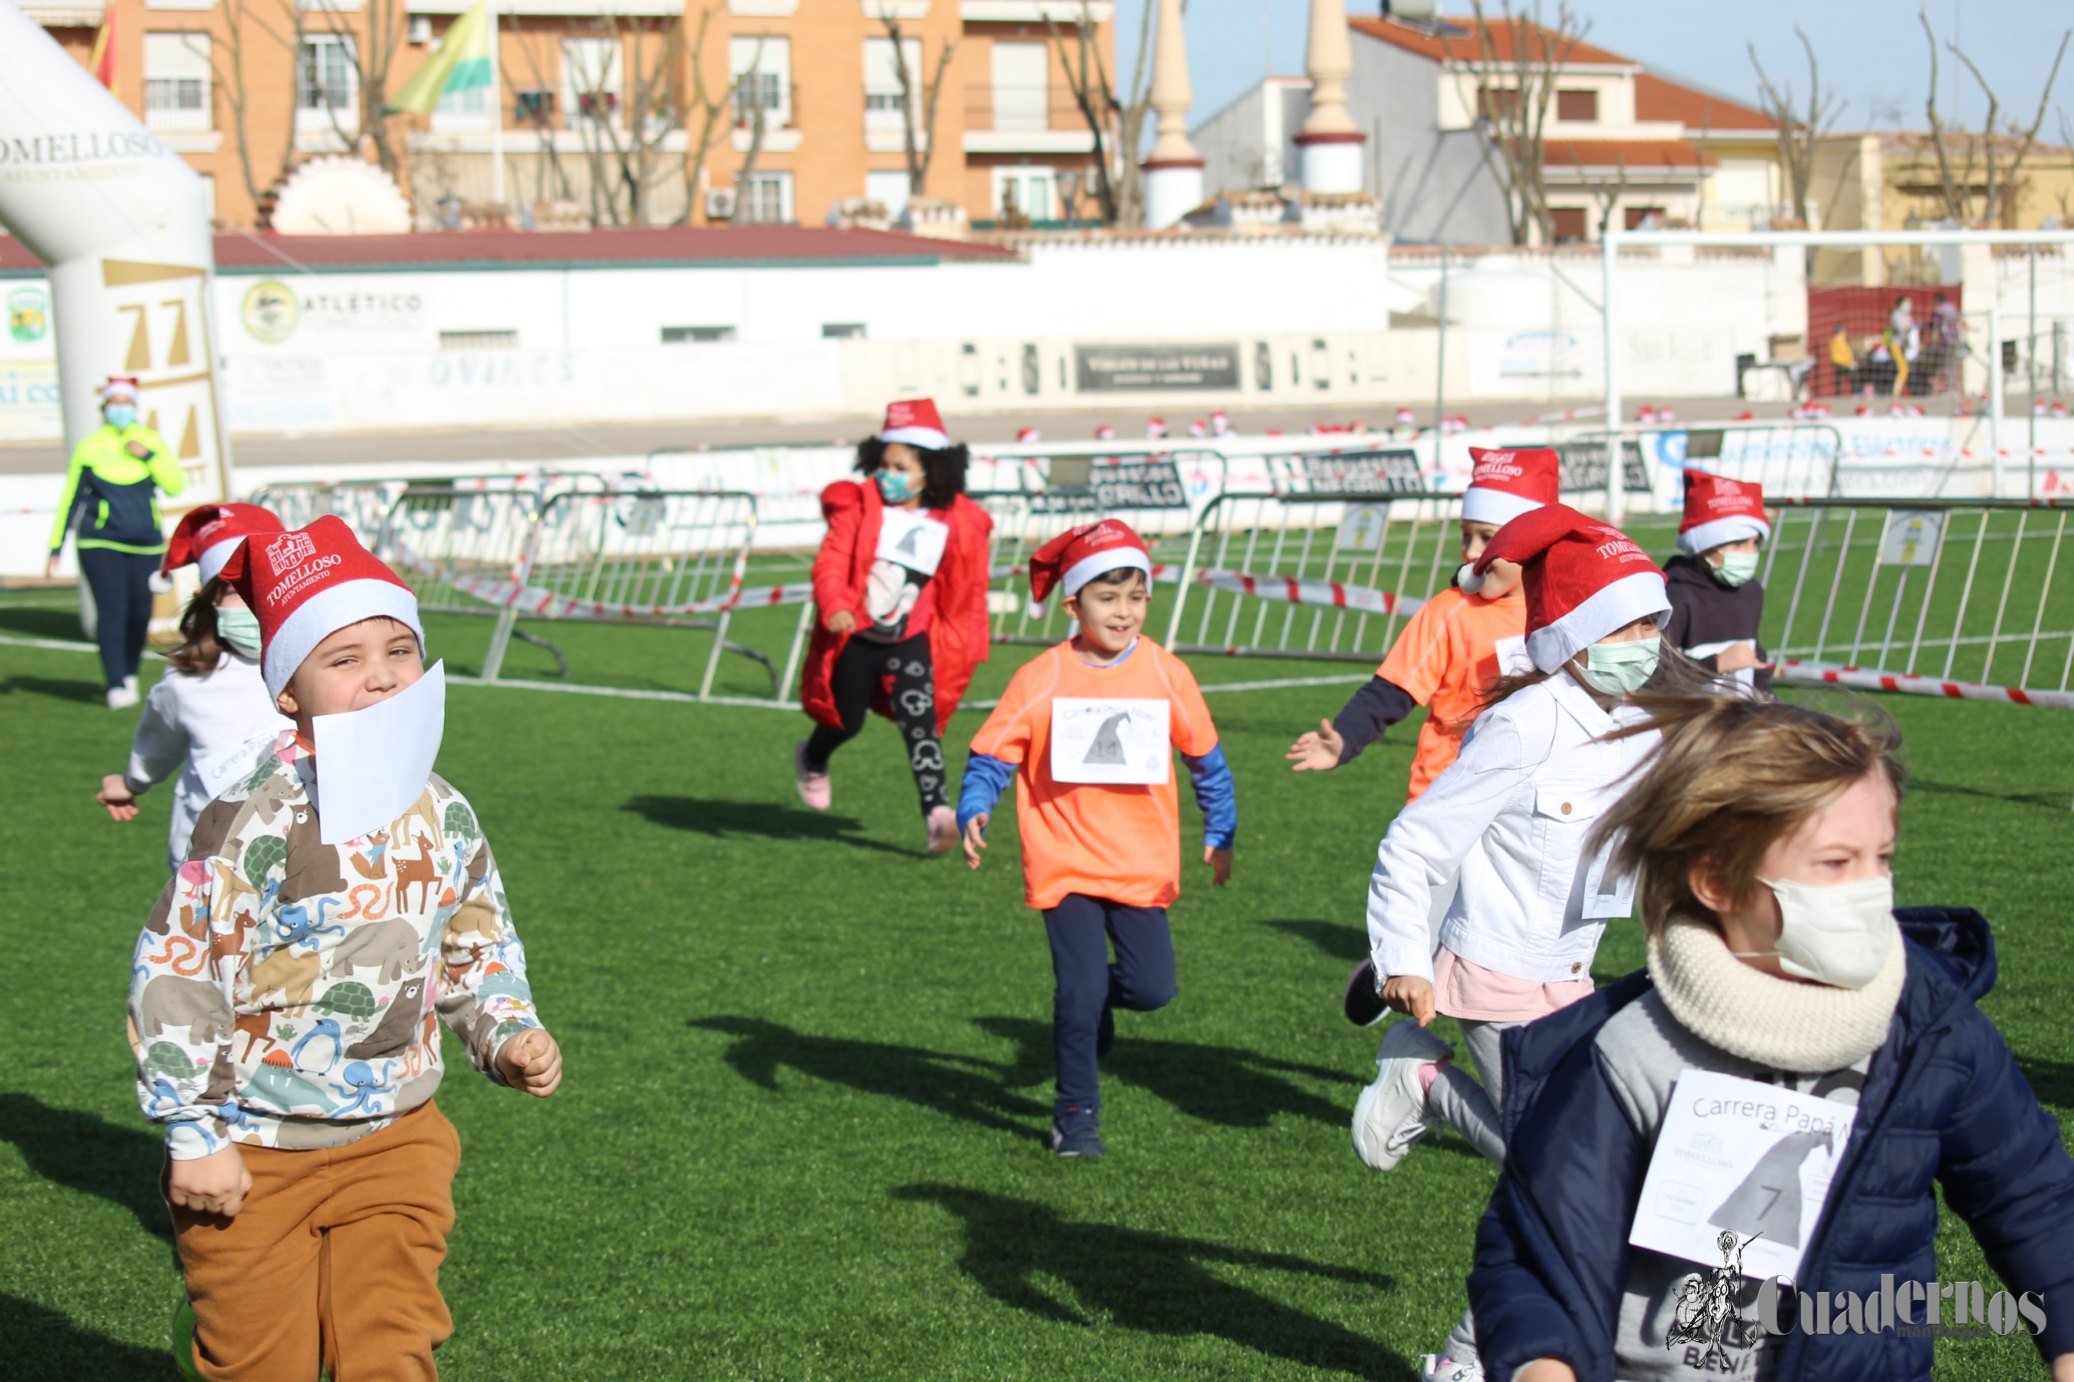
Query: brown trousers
pixel 334 1259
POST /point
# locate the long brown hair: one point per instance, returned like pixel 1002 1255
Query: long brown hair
pixel 201 650
pixel 1732 776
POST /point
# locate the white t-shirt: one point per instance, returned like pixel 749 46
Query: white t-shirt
pixel 195 724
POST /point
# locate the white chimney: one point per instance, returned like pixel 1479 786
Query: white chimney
pixel 1173 170
pixel 1330 141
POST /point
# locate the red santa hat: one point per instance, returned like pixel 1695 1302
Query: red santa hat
pixel 1583 580
pixel 120 386
pixel 1155 427
pixel 1072 559
pixel 1027 434
pixel 208 535
pixel 1718 510
pixel 916 422
pixel 1406 417
pixel 1506 484
pixel 1105 432
pixel 308 583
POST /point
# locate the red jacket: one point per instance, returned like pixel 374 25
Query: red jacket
pixel 958 634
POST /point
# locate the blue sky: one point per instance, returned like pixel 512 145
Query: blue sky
pixel 1871 51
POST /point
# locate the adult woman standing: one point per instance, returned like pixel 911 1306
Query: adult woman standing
pixel 111 496
pixel 900 589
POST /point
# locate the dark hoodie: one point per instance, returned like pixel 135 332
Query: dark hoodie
pixel 1943 1104
pixel 1705 614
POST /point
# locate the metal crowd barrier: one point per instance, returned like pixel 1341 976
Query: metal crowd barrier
pixel 365 504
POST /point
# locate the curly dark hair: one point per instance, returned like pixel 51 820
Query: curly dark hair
pixel 943 472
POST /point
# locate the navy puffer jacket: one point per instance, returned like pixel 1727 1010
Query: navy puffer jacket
pixel 1943 1101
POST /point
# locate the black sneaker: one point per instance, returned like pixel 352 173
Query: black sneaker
pixel 1076 1133
pixel 1105 1033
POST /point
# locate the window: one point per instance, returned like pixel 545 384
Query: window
pixel 176 81
pixel 842 331
pixel 766 198
pixel 1569 223
pixel 1026 191
pixel 591 81
pixel 697 335
pixel 1641 216
pixel 882 94
pixel 762 67
pixel 478 340
pixel 890 190
pixel 327 83
pixel 1497 103
pixel 466 109
pixel 1577 105
pixel 1020 73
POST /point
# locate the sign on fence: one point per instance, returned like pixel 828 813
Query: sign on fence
pixel 1352 475
pixel 1911 539
pixel 1582 466
pixel 1124 485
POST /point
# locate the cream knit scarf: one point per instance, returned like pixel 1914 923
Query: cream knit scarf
pixel 1782 1024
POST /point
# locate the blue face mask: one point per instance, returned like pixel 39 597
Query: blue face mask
pixel 894 486
pixel 121 415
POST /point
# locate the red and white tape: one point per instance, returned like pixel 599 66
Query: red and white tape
pixel 1297 591
pixel 1803 672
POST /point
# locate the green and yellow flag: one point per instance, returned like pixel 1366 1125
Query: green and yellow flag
pixel 461 62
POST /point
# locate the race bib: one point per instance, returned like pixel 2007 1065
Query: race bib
pixel 1742 676
pixel 1735 1157
pixel 1119 742
pixel 908 539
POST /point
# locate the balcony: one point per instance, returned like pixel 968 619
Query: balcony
pixel 1034 11
pixel 1024 120
pixel 65 14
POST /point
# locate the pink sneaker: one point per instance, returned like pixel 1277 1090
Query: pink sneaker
pixel 813 786
pixel 943 830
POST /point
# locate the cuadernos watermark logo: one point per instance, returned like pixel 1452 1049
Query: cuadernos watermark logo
pixel 1910 1309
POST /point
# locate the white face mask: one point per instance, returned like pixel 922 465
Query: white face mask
pixel 1736 568
pixel 1620 669
pixel 1837 935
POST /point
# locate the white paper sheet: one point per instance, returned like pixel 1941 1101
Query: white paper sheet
pixel 1736 1156
pixel 1118 741
pixel 912 540
pixel 372 764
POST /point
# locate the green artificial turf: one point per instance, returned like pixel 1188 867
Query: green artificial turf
pixel 808 1069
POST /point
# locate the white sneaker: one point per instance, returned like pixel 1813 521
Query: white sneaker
pixel 129 684
pixel 1438 1367
pixel 1390 1114
pixel 122 697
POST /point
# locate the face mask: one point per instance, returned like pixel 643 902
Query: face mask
pixel 120 415
pixel 238 630
pixel 1736 568
pixel 893 486
pixel 1619 669
pixel 1837 935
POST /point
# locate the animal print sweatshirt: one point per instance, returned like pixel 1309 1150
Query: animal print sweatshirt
pixel 287 993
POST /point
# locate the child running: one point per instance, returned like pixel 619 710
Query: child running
pixel 1087 730
pixel 212 702
pixel 1457 645
pixel 1511 817
pixel 1717 602
pixel 1848 1074
pixel 900 595
pixel 337 903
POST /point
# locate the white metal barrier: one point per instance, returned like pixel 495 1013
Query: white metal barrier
pixel 365 504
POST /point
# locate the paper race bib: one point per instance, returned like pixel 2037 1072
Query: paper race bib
pixel 1737 1157
pixel 1742 676
pixel 1120 742
pixel 908 539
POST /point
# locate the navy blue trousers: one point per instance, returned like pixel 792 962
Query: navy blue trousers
pixel 1081 930
pixel 121 582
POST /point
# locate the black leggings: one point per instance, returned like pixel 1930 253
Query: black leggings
pixel 121 582
pixel 856 676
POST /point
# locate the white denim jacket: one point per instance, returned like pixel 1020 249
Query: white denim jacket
pixel 1511 816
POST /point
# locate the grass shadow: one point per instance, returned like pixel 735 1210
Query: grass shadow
pixel 1341 942
pixel 87 692
pixel 32 621
pixel 773 820
pixel 962 1087
pixel 40 1343
pixel 1227 1085
pixel 2051 1080
pixel 1155 1283
pixel 2052 801
pixel 81 1151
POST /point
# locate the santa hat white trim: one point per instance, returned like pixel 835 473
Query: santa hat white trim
pixel 1481 504
pixel 1609 609
pixel 1108 559
pixel 119 388
pixel 1705 537
pixel 211 559
pixel 328 611
pixel 928 438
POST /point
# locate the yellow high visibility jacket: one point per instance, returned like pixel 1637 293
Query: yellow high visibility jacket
pixel 113 495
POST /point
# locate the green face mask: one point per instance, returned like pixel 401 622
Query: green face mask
pixel 238 630
pixel 1619 669
pixel 1736 568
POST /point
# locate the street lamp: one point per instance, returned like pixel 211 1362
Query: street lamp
pixel 1069 192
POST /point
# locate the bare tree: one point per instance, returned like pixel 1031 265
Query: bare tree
pixel 712 111
pixel 370 49
pixel 541 117
pixel 1798 133
pixel 757 119
pixel 1998 184
pixel 625 163
pixel 1606 195
pixel 1514 97
pixel 1117 124
pixel 920 144
pixel 229 60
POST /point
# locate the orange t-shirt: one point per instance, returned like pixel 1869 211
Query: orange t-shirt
pixel 1121 842
pixel 1450 653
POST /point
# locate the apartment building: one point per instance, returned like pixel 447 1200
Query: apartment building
pixel 624 111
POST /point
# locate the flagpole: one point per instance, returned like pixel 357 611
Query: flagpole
pixel 496 111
